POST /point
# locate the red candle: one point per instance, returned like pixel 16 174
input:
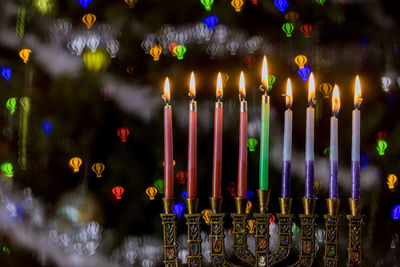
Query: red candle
pixel 217 151
pixel 168 154
pixel 242 164
pixel 192 143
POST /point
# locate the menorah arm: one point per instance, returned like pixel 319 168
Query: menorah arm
pixel 240 239
pixel 284 239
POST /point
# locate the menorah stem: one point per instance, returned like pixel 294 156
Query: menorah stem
pixel 194 238
pixel 355 233
pixel 262 228
pixel 217 244
pixel 169 233
pixel 284 233
pixel 307 238
pixel 240 232
pixel 332 220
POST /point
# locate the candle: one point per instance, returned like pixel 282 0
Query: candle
pixel 355 143
pixel 264 133
pixel 242 164
pixel 192 142
pixel 309 180
pixel 333 151
pixel 287 142
pixel 217 150
pixel 168 153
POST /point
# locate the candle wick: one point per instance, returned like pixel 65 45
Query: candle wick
pixel 264 89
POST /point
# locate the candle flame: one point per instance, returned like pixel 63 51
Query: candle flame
pixel 242 89
pixel 289 98
pixel 166 96
pixel 219 86
pixel 311 90
pixel 357 93
pixel 264 74
pixel 192 88
pixel 335 101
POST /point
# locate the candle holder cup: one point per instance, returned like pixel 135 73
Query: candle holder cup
pixel 355 221
pixel 169 233
pixel 332 222
pixel 193 218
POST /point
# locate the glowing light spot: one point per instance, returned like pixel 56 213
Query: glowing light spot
pixel 385 82
pixel 321 2
pixel 123 133
pixel 180 50
pixel 326 150
pixel 272 219
pixel 155 52
pixel 24 54
pixel 89 19
pixel 248 207
pixel 251 225
pixel 75 163
pixel 317 187
pixel 6 250
pixel 326 89
pixel 98 169
pixel 181 176
pixel 288 29
pixel 306 30
pixel 44 7
pixel 250 194
pixel 85 3
pixel 47 127
pixel 205 214
pixel 237 4
pixel 7 169
pixel 381 147
pixel 11 105
pixel 304 73
pixel 391 181
pixel 364 160
pixel 159 184
pixel 271 81
pixel 118 191
pixel 96 61
pixel 151 191
pixel 178 209
pixel 131 3
pixel 281 5
pixel 292 16
pixel 232 188
pixel 171 48
pixel 300 61
pixel 381 135
pixel 210 22
pixel 6 73
pixel 396 212
pixel 207 4
pixel 252 143
pixel 184 195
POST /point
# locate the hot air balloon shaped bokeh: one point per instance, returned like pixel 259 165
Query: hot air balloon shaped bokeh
pixel 180 51
pixel 155 52
pixel 248 207
pixel 292 16
pixel 381 147
pixel 381 135
pixel 211 22
pixel 159 184
pixel 131 3
pixel 396 212
pixel 232 188
pixel 288 29
pixel 98 169
pixel 326 89
pixel 237 4
pixel 75 163
pixel 304 73
pixel 281 5
pixel 271 81
pixel 205 214
pixel 317 187
pixel 89 20
pixel 6 73
pixel 151 191
pixel 391 181
pixel 181 177
pixel 306 30
pixel 184 195
pixel 300 61
pixel 207 4
pixel 118 191
pixel 47 127
pixel 7 169
pixel 11 105
pixel 251 225
pixel 96 61
pixel 123 133
pixel 24 54
pixel 171 48
pixel 251 144
pixel 385 82
pixel 85 3
pixel 178 209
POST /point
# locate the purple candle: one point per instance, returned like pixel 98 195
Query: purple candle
pixel 287 142
pixel 309 178
pixel 333 151
pixel 355 144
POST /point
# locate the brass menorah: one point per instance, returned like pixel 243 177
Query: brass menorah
pixel 262 256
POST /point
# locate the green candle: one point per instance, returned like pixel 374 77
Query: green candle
pixel 264 134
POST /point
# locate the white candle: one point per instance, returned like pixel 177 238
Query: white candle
pixel 310 134
pixel 287 135
pixel 355 136
pixel 355 143
pixel 309 175
pixel 333 150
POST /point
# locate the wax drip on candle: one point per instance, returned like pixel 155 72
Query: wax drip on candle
pixel 311 91
pixel 264 78
pixel 357 94
pixel 166 96
pixel 335 101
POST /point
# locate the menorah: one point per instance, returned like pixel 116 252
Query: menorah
pixel 262 256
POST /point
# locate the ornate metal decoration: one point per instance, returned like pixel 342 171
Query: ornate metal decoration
pixel 332 220
pixel 169 233
pixel 194 238
pixel 356 221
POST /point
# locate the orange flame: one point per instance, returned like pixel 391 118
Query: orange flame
pixel 264 73
pixel 192 88
pixel 166 96
pixel 335 100
pixel 242 89
pixel 311 90
pixel 219 86
pixel 289 97
pixel 357 93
